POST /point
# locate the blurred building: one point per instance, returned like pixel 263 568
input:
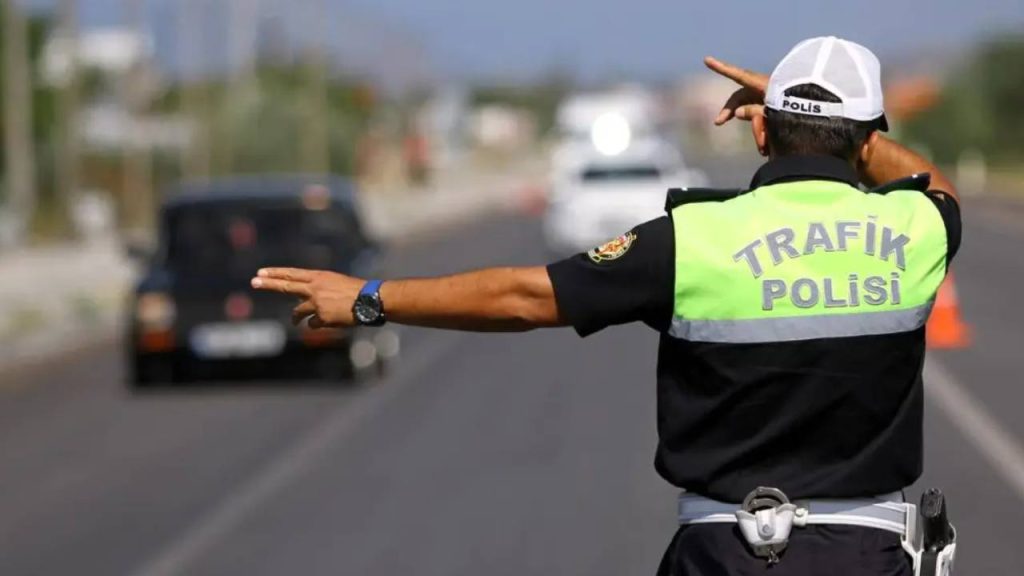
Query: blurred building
pixel 502 127
pixel 444 118
pixel 108 59
pixel 111 51
pixel 698 100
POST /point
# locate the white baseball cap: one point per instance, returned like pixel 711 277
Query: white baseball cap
pixel 844 68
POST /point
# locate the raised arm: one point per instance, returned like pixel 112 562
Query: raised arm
pixel 490 300
pixel 887 160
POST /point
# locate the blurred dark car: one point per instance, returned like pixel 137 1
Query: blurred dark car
pixel 193 314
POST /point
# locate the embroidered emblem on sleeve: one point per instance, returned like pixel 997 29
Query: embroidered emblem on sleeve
pixel 613 249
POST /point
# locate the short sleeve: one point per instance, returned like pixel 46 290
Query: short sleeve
pixel 628 279
pixel 949 209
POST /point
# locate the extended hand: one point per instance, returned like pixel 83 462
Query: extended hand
pixel 746 102
pixel 326 297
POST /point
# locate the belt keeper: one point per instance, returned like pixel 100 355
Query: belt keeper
pixel 800 515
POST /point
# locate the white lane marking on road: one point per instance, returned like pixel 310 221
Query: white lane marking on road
pixel 975 422
pixel 290 464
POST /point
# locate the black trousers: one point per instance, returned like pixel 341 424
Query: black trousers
pixel 720 550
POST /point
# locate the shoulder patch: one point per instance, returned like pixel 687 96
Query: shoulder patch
pixel 613 249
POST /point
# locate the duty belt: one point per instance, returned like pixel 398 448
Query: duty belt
pixel 766 516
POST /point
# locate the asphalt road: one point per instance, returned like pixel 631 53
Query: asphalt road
pixel 502 454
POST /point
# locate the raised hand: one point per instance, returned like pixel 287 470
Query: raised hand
pixel 746 102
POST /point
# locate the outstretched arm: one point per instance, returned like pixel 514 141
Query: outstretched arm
pixel 490 300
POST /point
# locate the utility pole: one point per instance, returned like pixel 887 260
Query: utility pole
pixel 137 162
pixel 242 25
pixel 316 153
pixel 20 175
pixel 67 169
pixel 195 158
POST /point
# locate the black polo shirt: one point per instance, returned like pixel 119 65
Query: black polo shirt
pixel 831 417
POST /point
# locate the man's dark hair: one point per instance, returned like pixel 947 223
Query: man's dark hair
pixel 802 134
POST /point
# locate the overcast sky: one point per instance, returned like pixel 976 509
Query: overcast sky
pixel 650 38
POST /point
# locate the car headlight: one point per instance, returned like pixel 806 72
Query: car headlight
pixel 611 134
pixel 155 311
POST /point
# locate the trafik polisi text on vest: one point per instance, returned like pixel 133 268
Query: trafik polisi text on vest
pixel 781 245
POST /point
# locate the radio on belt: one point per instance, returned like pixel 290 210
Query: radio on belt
pixel 934 552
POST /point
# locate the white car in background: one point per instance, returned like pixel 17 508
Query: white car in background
pixel 596 196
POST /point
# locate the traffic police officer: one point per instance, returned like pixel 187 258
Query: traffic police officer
pixel 792 320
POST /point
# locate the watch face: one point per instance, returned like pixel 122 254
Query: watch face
pixel 367 309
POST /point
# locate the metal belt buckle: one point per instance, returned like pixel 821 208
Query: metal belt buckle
pixel 766 520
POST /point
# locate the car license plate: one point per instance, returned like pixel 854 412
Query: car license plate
pixel 238 340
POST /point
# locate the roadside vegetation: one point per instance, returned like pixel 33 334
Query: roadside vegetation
pixel 979 108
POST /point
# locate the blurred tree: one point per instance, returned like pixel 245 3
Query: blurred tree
pixel 67 143
pixel 139 203
pixel 979 108
pixel 265 122
pixel 192 95
pixel 43 112
pixel 315 144
pixel 18 160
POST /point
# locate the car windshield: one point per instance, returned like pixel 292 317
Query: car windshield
pixel 236 239
pixel 596 174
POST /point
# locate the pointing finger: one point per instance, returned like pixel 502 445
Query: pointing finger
pixel 282 286
pixel 296 274
pixel 739 75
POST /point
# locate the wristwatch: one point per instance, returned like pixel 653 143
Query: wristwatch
pixel 368 310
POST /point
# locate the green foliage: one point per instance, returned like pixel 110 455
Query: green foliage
pixel 980 107
pixel 43 97
pixel 263 122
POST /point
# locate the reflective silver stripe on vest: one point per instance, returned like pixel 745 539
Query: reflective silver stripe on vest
pixel 754 330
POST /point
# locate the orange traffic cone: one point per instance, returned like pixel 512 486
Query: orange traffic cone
pixel 945 328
